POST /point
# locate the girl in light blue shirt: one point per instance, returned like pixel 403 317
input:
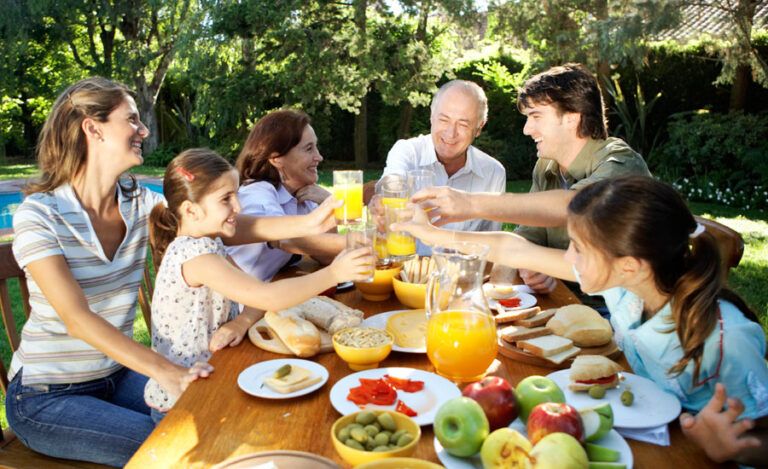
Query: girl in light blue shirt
pixel 634 241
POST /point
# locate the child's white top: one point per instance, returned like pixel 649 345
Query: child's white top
pixel 184 318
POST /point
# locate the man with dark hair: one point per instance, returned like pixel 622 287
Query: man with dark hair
pixel 566 118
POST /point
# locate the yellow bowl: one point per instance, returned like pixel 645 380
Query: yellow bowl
pixel 355 456
pixel 399 463
pixel 363 358
pixel 381 287
pixel 410 294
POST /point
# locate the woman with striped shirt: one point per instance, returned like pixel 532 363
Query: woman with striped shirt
pixel 81 235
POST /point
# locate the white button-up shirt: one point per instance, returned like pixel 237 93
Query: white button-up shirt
pixel 481 173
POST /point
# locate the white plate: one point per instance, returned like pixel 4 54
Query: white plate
pixel 612 440
pixel 379 321
pixel 652 405
pixel 436 391
pixel 526 301
pixel 251 379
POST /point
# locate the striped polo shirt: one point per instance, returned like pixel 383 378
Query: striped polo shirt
pixel 55 224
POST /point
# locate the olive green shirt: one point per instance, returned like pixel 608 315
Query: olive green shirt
pixel 599 159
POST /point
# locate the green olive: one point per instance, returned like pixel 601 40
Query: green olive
pixel 354 444
pixel 381 449
pixel 386 421
pixel 371 430
pixel 404 439
pixel 396 436
pixel 284 370
pixel 359 434
pixel 344 434
pixel 627 398
pixel 381 439
pixel 597 392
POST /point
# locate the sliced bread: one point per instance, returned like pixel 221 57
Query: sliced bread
pixel 505 317
pixel 537 320
pixel 513 333
pixel 545 346
pixel 564 355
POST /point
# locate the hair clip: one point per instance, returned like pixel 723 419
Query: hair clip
pixel 185 174
pixel 699 230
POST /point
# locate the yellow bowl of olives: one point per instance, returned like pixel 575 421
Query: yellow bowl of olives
pixel 370 435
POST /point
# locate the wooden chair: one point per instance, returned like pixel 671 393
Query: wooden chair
pixel 729 241
pixel 12 452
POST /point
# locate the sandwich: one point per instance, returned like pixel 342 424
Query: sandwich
pixel 582 324
pixel 297 378
pixel 593 370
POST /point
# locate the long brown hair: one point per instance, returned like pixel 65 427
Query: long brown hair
pixel 62 148
pixel 189 176
pixel 640 217
pixel 275 133
pixel 569 88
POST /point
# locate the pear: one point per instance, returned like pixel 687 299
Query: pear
pixel 607 465
pixel 559 451
pixel 506 448
pixel 596 453
pixel 598 421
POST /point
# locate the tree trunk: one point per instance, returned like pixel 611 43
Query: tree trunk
pixel 361 135
pixel 739 88
pixel 406 116
pixel 361 119
pixel 148 112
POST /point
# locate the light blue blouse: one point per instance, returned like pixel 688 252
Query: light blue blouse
pixel 651 353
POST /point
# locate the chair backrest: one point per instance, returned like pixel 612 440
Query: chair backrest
pixel 729 241
pixel 9 269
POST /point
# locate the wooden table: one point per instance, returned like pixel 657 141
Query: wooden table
pixel 214 420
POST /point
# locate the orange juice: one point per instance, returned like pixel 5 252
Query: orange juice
pixel 352 195
pixel 400 244
pixel 394 201
pixel 461 344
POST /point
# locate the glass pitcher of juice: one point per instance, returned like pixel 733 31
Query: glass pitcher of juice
pixel 461 332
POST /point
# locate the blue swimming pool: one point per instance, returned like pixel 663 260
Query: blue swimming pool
pixel 9 201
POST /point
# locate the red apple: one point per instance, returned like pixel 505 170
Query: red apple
pixel 552 417
pixel 497 398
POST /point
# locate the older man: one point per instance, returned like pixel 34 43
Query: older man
pixel 459 112
pixel 566 118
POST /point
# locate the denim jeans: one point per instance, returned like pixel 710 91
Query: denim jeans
pixel 102 421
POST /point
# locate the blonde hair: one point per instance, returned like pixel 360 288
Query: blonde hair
pixel 62 147
pixel 189 176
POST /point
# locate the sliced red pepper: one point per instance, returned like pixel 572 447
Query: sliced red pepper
pixel 372 391
pixel 605 380
pixel 404 409
pixel 510 302
pixel 407 385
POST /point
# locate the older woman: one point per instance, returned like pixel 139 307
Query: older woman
pixel 77 380
pixel 278 176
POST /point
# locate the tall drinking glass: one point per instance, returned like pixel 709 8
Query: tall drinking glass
pixel 348 187
pixel 461 333
pixel 419 179
pixel 362 235
pixel 400 244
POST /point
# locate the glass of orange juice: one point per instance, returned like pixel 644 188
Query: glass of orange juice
pixel 400 245
pixel 348 187
pixel 362 235
pixel 461 333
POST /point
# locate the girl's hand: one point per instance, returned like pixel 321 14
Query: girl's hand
pixel 321 219
pixel 177 380
pixel 356 265
pixel 717 431
pixel 229 334
pixel 312 193
pixel 539 283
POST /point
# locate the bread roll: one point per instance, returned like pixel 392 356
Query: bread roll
pixel 329 314
pixel 582 324
pixel 299 335
pixel 265 338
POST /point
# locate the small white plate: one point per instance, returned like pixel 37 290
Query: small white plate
pixel 652 406
pixel 251 379
pixel 436 391
pixel 379 321
pixel 612 440
pixel 526 301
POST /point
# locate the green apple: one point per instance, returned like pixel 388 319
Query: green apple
pixel 535 390
pixel 597 421
pixel 596 453
pixel 607 465
pixel 506 448
pixel 559 451
pixel 461 426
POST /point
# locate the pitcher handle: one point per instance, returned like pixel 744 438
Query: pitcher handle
pixel 431 294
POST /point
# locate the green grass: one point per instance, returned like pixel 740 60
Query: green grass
pixel 748 279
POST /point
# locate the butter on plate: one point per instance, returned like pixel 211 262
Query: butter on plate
pixel 409 328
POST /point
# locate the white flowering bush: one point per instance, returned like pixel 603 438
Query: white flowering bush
pixel 702 190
